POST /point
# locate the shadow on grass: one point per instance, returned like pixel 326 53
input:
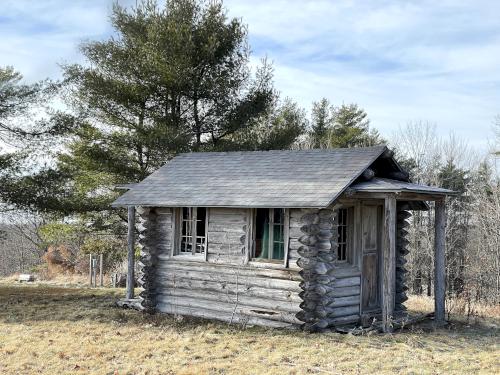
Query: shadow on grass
pixel 28 304
pixel 31 303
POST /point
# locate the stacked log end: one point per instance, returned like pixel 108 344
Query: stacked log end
pixel 317 256
pixel 401 250
pixel 148 258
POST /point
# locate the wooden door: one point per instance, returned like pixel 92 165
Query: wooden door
pixel 370 253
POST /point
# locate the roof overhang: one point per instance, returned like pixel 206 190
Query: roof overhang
pixel 380 188
pixel 385 185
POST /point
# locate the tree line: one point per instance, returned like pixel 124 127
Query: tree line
pixel 473 215
pixel 177 78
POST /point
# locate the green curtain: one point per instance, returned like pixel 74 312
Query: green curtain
pixel 278 251
pixel 265 241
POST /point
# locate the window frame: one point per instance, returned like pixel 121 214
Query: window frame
pixel 178 236
pixel 286 236
pixel 349 235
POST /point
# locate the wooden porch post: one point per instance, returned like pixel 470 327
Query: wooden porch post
pixel 131 252
pixel 439 260
pixel 389 263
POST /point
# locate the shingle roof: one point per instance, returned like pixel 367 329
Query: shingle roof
pixel 292 178
pixel 392 186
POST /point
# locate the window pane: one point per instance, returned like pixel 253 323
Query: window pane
pixel 278 233
pixel 201 216
pixel 342 237
pixel 186 237
pixel 263 231
pixel 278 251
pixel 188 223
pixel 279 215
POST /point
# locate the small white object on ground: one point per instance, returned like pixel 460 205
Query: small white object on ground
pixel 26 277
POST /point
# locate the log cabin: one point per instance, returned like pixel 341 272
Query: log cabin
pixel 297 238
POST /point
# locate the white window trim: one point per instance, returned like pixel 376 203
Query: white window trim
pixel 177 226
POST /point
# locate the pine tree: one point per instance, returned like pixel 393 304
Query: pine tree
pixel 352 128
pixel 277 129
pixel 29 129
pixel 19 103
pixel 322 122
pixel 340 127
pixel 174 79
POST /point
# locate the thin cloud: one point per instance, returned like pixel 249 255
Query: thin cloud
pixel 400 60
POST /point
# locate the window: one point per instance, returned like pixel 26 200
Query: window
pixel 343 235
pixel 193 238
pixel 269 234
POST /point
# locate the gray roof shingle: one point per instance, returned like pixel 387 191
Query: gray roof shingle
pixel 302 178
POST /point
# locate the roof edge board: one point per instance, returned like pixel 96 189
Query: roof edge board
pixel 210 206
pixel 404 187
pixel 396 191
pixel 383 149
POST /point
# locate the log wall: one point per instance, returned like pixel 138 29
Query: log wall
pixel 295 233
pixel 330 294
pixel 312 292
pixel 231 293
pixel 147 261
pixel 401 252
pixel 155 235
pixel 227 235
pixel 221 287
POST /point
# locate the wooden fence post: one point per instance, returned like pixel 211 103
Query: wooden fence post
pixel 101 273
pixel 94 269
pixel 90 270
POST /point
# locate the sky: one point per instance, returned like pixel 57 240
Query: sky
pixel 402 61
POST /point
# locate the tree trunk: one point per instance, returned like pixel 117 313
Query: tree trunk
pixel 197 125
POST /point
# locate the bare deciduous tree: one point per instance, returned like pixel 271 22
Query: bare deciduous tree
pixel 473 220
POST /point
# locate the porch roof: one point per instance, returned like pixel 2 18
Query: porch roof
pixel 385 185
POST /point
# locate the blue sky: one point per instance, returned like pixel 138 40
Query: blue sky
pixel 435 61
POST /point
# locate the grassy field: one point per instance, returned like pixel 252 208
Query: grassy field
pixel 62 330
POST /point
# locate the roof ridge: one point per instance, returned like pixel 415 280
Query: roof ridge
pixel 325 150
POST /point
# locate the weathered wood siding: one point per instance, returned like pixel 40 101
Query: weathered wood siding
pixel 222 287
pixel 347 294
pixel 295 233
pixel 225 287
pixel 237 294
pixel 226 235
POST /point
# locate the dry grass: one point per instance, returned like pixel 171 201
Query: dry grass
pixel 70 279
pixel 56 330
pixel 460 311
